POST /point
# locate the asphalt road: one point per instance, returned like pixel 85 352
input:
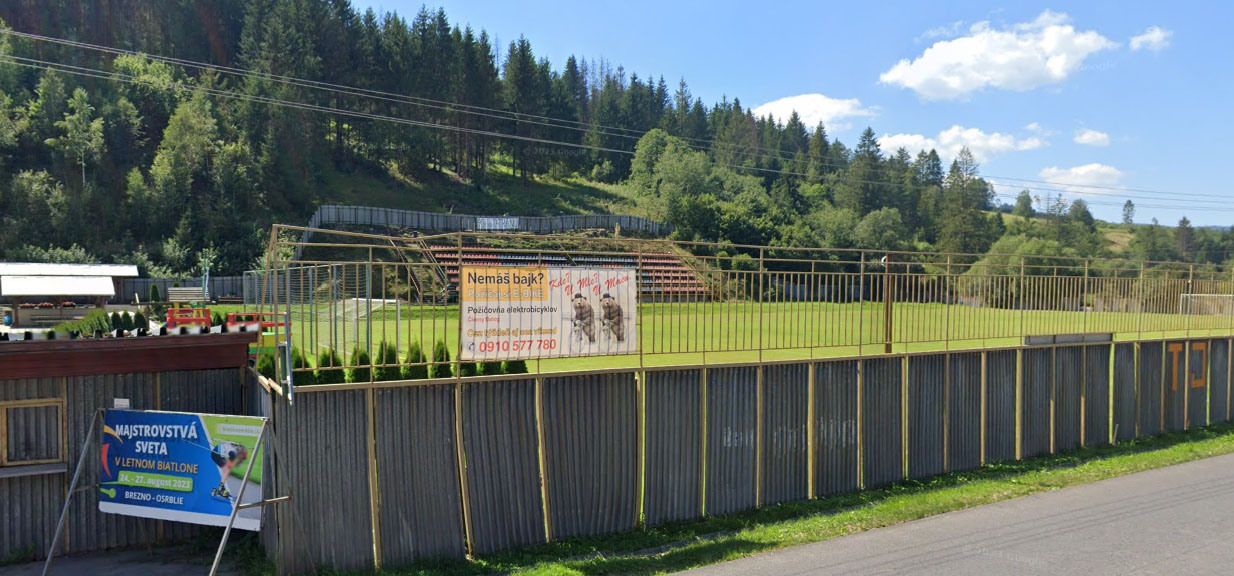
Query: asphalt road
pixel 1176 520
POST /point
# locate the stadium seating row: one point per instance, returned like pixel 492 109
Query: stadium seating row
pixel 660 273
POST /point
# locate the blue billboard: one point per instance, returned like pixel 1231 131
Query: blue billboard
pixel 180 466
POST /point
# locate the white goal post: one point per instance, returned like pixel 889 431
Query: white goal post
pixel 1206 304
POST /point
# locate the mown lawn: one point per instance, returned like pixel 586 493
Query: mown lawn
pixel 693 333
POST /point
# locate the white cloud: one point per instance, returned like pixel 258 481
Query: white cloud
pixel 1020 58
pixel 1075 179
pixel 949 142
pixel 1033 127
pixel 949 31
pixel 815 108
pixel 1155 39
pixel 1090 137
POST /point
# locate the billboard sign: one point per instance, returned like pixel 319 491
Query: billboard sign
pixel 180 466
pixel 526 312
pixel 496 223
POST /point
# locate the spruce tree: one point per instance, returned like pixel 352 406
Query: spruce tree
pixel 415 356
pixel 327 359
pixel 441 361
pixel 360 363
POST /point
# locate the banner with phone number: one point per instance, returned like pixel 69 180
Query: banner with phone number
pixel 527 312
pixel 179 466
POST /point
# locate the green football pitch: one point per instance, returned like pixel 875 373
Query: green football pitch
pixel 711 333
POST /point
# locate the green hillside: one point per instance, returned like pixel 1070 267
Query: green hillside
pixel 500 193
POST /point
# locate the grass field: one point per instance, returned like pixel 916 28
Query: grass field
pixel 694 333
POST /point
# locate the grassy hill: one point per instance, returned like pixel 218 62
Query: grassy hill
pixel 501 193
pixel 1117 236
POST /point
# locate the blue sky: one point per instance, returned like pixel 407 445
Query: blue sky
pixel 1119 94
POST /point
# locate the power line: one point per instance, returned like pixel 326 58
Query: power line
pixel 579 126
pixel 116 76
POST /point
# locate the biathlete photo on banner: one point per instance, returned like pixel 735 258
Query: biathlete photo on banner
pixel 179 466
pixel 527 312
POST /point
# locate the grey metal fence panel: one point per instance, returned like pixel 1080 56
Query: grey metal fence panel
pixel 29 509
pixel 835 427
pixel 89 528
pixel 1149 388
pixel 417 473
pixel 1097 395
pixel 591 453
pixel 1175 386
pixel 263 404
pixel 1036 382
pixel 785 462
pixel 29 389
pixel 1068 392
pixel 1196 384
pixel 1219 381
pixel 964 412
pixel 325 455
pixel 211 391
pixel 30 505
pixel 882 444
pixel 1124 391
pixel 503 469
pixel 1000 417
pixel 674 451
pixel 731 427
pixel 387 217
pixel 927 389
pixel 33 433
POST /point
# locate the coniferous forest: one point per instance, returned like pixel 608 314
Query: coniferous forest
pixel 128 156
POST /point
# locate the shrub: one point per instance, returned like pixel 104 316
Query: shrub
pixel 265 365
pixel 514 367
pixel 491 369
pixel 326 359
pixel 441 361
pixel 414 356
pixel 93 320
pixel 388 354
pixel 117 323
pixel 298 361
pixel 127 321
pixel 216 319
pixel 360 366
pixel 140 321
pixel 467 369
pixel 154 294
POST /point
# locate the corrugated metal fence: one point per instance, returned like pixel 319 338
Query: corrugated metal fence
pixel 389 473
pixel 44 422
pixel 436 221
pixel 221 287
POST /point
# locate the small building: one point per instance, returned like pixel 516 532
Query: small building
pixel 39 284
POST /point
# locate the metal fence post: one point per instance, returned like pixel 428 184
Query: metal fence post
pixel 811 445
pixel 702 490
pixel 543 460
pixel 762 317
pixel 888 298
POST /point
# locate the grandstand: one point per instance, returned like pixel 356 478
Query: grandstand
pixel 662 274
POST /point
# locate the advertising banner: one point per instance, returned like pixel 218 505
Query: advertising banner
pixel 525 312
pixel 179 466
pixel 496 223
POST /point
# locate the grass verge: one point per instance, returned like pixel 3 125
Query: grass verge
pixel 691 544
